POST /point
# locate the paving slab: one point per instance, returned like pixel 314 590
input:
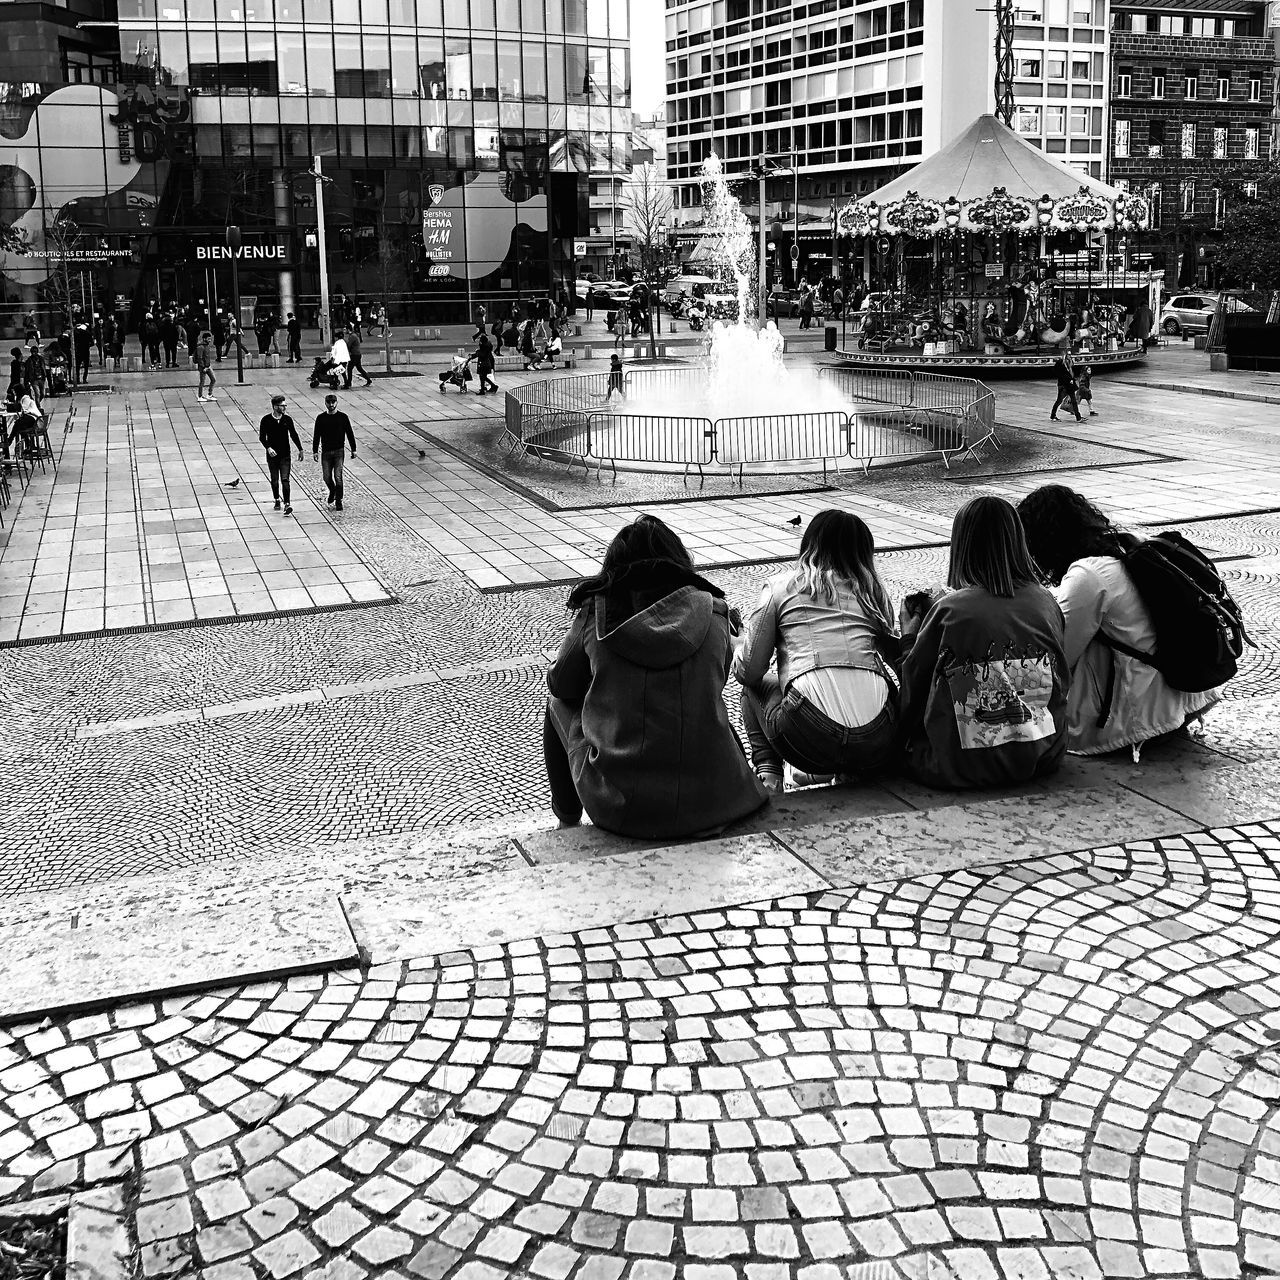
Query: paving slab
pixel 946 837
pixel 569 897
pixel 91 958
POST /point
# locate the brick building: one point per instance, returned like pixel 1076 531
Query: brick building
pixel 1192 95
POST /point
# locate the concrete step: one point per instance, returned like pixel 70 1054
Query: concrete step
pixel 464 887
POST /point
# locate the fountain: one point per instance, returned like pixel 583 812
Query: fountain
pixel 740 404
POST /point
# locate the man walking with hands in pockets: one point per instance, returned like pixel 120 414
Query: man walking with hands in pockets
pixel 275 431
pixel 333 431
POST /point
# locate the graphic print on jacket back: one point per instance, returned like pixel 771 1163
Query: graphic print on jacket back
pixel 1002 700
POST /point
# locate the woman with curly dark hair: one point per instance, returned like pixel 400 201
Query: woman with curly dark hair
pixel 1115 700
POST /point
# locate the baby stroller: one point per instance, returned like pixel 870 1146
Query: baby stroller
pixel 59 384
pixel 326 370
pixel 458 374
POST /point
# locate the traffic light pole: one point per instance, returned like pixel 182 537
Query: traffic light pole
pixel 233 243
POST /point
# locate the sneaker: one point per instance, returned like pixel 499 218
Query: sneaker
pixel 199 399
pixel 288 510
pixel 337 506
pixel 368 382
pixel 277 504
pixel 771 782
pixel 802 779
pixel 210 399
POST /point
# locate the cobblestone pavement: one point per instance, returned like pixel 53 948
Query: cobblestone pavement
pixel 149 751
pixel 1068 1066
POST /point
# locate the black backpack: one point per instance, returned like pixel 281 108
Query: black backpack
pixel 1200 632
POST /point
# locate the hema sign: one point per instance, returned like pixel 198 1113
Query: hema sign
pixel 246 253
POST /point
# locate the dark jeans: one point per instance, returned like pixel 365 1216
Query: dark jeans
pixel 279 468
pixel 170 355
pixel 331 463
pixel 295 350
pixel 787 726
pixel 354 366
pixel 1067 396
pixel 564 794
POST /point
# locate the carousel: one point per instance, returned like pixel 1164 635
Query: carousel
pixel 982 257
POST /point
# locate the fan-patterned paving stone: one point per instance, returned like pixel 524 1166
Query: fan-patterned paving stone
pixel 1062 1067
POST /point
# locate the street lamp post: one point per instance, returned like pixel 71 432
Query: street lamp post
pixel 317 173
pixel 233 243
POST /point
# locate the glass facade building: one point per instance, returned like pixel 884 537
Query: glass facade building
pixel 455 137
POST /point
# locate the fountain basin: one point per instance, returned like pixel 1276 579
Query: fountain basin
pixel 669 419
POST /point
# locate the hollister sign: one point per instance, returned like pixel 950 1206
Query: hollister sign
pixel 246 253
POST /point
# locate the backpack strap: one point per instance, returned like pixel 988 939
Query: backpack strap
pixel 1118 646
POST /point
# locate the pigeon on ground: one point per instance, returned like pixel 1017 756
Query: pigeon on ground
pixel 795 520
pixel 422 453
pixel 233 484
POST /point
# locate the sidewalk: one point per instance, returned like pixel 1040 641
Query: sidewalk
pixel 1049 1050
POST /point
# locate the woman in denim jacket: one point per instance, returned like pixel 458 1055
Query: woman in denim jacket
pixel 832 707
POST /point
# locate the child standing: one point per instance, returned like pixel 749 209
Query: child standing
pixel 1084 392
pixel 615 378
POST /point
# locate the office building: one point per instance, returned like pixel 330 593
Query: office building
pixel 1060 71
pixel 456 138
pixel 1193 88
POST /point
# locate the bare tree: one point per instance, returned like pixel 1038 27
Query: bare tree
pixel 66 245
pixel 647 207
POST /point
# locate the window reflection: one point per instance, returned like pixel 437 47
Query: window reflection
pixel 510 69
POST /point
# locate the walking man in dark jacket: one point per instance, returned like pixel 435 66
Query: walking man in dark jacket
pixel 333 431
pixel 82 341
pixel 353 346
pixel 484 364
pixel 294 326
pixel 275 432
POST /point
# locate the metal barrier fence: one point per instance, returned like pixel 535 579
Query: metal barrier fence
pixel 922 414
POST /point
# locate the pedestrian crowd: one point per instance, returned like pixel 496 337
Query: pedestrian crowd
pixel 1056 631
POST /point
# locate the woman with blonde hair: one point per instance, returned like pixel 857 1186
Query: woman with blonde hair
pixel 832 707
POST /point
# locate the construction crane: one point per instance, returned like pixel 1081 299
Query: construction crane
pixel 1004 60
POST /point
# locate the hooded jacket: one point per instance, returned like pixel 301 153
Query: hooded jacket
pixel 984 690
pixel 637 699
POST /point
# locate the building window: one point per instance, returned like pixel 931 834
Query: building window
pixel 1080 122
pixel 1081 68
pixel 1057 65
pixel 1220 142
pixel 1082 13
pixel 1255 89
pixel 1193 87
pixel 1187 196
pixel 1251 143
pixel 1224 88
pixel 1055 121
pixel 1122 140
pixel 1124 83
pixel 1154 201
pixel 1219 206
pixel 1028 64
pixel 1157 84
pixel 1250 190
pixel 1028 120
pixel 1188 141
pixel 1155 139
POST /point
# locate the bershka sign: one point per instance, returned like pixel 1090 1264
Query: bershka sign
pixel 246 253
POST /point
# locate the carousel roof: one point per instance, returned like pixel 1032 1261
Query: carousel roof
pixel 988 154
pixel 990 181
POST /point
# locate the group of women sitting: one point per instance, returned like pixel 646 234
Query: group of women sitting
pixel 988 682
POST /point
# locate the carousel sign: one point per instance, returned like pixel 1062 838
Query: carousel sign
pixel 1081 211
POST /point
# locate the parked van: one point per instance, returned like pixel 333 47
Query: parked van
pixel 676 293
